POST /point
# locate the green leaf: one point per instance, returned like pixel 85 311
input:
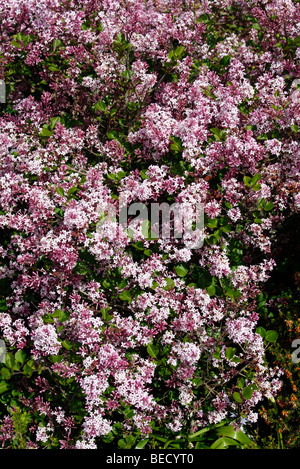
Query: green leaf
pixel 129 413
pixel 123 445
pixel 247 393
pixel 142 444
pixel 112 135
pixel 71 191
pixel 121 174
pixel 212 223
pixel 55 358
pixel 236 396
pixel 112 176
pixel 261 331
pixel 237 435
pixel 3 306
pixel 152 350
pixel 9 360
pixel 176 144
pixel 236 359
pixel 63 316
pixel 170 284
pixel 211 289
pixel 232 293
pixel 27 370
pixel 81 268
pixel 181 271
pixel 104 312
pixel 20 356
pixel 100 106
pixel 53 122
pixel 6 374
pixel 217 133
pixel 240 383
pixel 179 51
pixel 106 283
pixel 223 443
pixel 67 344
pixel 48 319
pixel 46 132
pixel 268 206
pixel 225 229
pixel 143 174
pixel 60 191
pixel 225 60
pixel 255 179
pixel 125 296
pixel 256 26
pixel 247 181
pixel 271 336
pixel 192 436
pixel 16 44
pixel 295 128
pixel 139 245
pixel 122 284
pixel 4 386
pixel 56 43
pixel 229 353
pixel 53 68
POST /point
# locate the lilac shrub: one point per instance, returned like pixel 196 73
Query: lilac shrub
pixel 114 336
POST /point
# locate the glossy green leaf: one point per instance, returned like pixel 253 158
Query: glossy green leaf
pixel 4 386
pixel 28 370
pixel 255 179
pixel 181 271
pixel 45 132
pixel 60 191
pixel 16 44
pixel 295 128
pixel 71 191
pixel 152 350
pixel 212 223
pixel 247 181
pixel 238 435
pixel 223 443
pixel 5 373
pixel 271 336
pixel 20 356
pixel 240 383
pixel 229 353
pixel 53 122
pixel 125 296
pixel 63 316
pixel 247 392
pixel 269 206
pixel 170 284
pixel 261 331
pixel 142 444
pixel 67 344
pixel 237 397
pixel 9 360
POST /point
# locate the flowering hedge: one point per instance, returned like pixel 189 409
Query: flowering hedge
pixel 116 338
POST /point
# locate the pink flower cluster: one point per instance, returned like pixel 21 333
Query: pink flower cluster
pixel 152 101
